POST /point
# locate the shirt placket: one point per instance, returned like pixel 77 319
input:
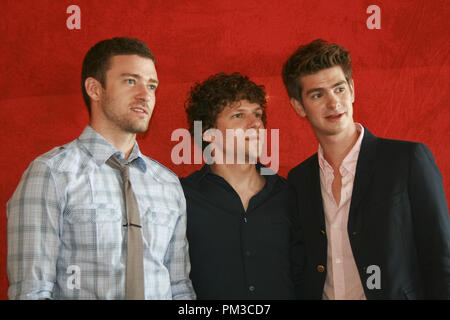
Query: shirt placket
pixel 339 229
pixel 335 243
pixel 337 255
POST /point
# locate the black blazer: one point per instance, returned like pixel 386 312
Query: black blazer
pixel 398 221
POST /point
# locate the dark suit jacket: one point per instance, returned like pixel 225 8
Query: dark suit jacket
pixel 398 221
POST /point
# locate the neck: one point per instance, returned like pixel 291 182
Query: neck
pixel 121 140
pixel 239 176
pixel 336 147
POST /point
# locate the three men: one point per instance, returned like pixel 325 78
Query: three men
pixel 243 241
pixel 369 207
pixel 95 218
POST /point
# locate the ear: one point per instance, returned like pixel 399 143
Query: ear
pixel 93 88
pixel 352 89
pixel 298 107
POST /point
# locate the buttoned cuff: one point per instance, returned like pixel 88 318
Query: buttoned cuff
pixel 30 290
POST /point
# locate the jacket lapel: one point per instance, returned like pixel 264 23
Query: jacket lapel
pixel 364 171
pixel 315 195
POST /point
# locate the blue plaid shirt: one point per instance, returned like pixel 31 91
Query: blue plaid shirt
pixel 65 233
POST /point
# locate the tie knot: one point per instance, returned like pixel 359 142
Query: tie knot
pixel 124 169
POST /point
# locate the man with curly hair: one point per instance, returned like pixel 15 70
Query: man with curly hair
pixel 243 242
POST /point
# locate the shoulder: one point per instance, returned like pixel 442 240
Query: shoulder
pixel 304 167
pixel 166 181
pixel 417 154
pixel 161 172
pixel 192 180
pixel 277 180
pixel 193 176
pixel 403 150
pixel 397 145
pixel 387 147
pixel 402 156
pixel 42 175
pixel 60 159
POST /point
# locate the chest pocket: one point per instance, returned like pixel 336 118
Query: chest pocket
pixel 158 227
pixel 93 227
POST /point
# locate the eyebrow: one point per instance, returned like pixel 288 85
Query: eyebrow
pixel 240 108
pixel 321 89
pixel 135 75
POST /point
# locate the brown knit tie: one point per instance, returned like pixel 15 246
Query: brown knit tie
pixel 135 258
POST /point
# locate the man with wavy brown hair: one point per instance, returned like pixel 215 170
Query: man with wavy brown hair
pixel 373 210
pixel 243 242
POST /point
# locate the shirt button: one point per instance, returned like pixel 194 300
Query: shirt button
pixel 247 253
pixel 320 268
pixel 338 260
pixel 251 288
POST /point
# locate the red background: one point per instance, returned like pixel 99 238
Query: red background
pixel 401 72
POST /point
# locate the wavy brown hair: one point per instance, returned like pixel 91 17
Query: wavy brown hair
pixel 311 58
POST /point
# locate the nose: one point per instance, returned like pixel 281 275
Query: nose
pixel 144 93
pixel 333 101
pixel 254 122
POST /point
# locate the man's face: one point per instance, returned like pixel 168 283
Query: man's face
pixel 240 117
pixel 327 101
pixel 128 99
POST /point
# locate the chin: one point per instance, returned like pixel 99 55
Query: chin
pixel 252 158
pixel 135 129
pixel 141 130
pixel 336 129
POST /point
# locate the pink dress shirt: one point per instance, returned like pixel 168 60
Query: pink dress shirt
pixel 342 280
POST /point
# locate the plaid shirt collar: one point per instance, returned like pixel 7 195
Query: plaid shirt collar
pixel 101 150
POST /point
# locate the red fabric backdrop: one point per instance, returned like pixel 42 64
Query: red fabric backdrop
pixel 401 71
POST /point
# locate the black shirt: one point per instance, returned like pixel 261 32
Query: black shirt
pixel 238 254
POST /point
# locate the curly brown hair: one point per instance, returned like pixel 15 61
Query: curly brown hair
pixel 311 58
pixel 208 98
